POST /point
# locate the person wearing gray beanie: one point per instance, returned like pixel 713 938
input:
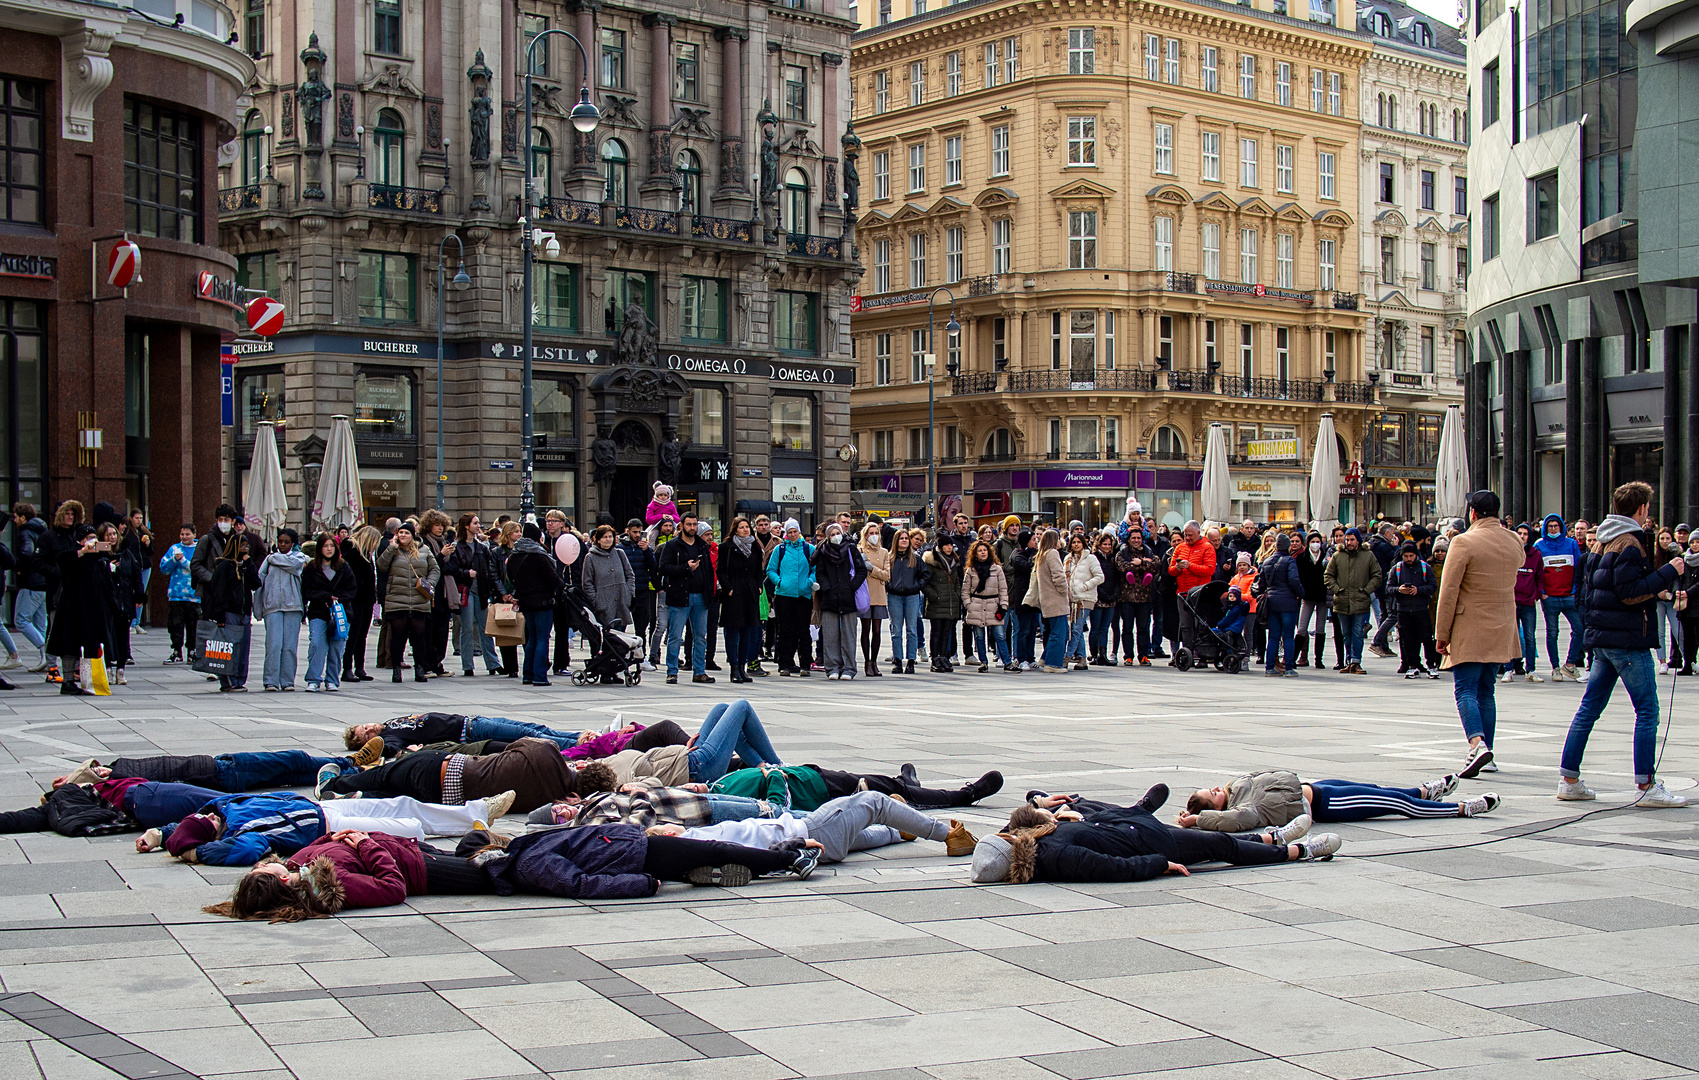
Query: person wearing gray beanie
pixel 1282 596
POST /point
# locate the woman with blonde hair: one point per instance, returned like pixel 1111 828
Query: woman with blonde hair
pixel 878 562
pixel 502 539
pixel 1048 592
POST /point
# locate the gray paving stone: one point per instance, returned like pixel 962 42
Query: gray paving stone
pixel 407 1014
pixel 1467 866
pixel 1102 959
pixel 1650 1025
pixel 609 1055
pixel 550 965
pixel 768 972
pixel 1148 1057
pixel 936 904
pixel 60 877
pixel 1488 965
pixel 1621 913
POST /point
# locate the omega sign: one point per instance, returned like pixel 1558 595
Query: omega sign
pixel 713 365
pixel 719 365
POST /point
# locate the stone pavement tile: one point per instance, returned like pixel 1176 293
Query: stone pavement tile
pixel 1458 923
pixel 924 945
pixel 1375 936
pixel 771 971
pixel 1133 989
pixel 59 1062
pixel 266 978
pixel 1149 1057
pixel 559 964
pixel 1057 898
pixel 1651 1025
pixel 1523 1047
pixel 820 1049
pixel 952 982
pixel 108 994
pixel 553 1024
pixel 1460 1017
pixel 17 1062
pixel 602 1058
pixel 677 978
pixel 267 1074
pixel 1465 866
pixel 485 997
pixel 206 1017
pixel 1255 1069
pixel 306 1031
pixel 38 907
pixel 1355 986
pixel 1621 913
pixel 1604 955
pixel 225 1050
pixel 1541 991
pixel 454 1055
pixel 1623 1066
pixel 1281 1019
pixel 933 905
pixel 244 944
pixel 997 1069
pixel 748 1067
pixel 1360 1064
pixel 17 941
pixel 669 949
pixel 1114 1021
pixel 803 1003
pixel 1268 933
pixel 407 1014
pixel 179 903
pixel 25 879
pixel 976 933
pixel 584 928
pixel 1124 922
pixel 408 936
pixel 882 1074
pixel 790 932
pixel 394 969
pixel 136 951
pixel 1318 958
pixel 1488 965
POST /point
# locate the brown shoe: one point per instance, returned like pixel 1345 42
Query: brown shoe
pixel 371 753
pixel 907 837
pixel 959 842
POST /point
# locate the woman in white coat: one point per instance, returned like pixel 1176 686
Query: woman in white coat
pixel 1085 574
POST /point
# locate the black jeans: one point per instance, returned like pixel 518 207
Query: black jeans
pixel 563 646
pixel 1188 846
pixel 643 611
pixel 1135 626
pixel 450 875
pixel 416 776
pixel 1413 630
pixel 839 784
pixel 793 651
pixel 437 640
pixel 943 640
pixel 354 649
pixel 405 627
pixel 671 858
pixel 180 619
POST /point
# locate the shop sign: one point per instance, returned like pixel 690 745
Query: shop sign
pixel 252 348
pixel 1081 478
pixel 501 464
pixel 1270 488
pixel 752 472
pixel 209 286
pixel 390 348
pixel 874 303
pixel 552 353
pixel 793 490
pixel 31 266
pixel 227 385
pixel 1253 487
pixel 711 470
pixel 889 501
pixel 1271 450
pixel 1391 483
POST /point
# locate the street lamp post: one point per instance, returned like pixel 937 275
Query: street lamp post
pixel 931 358
pixel 461 281
pixel 585 116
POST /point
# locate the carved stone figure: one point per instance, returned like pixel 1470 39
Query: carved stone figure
pixel 637 341
pixel 769 167
pixel 313 93
pixel 852 176
pixel 481 108
pixel 604 455
pixel 671 455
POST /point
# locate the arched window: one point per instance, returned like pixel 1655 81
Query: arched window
pixel 1170 445
pixel 689 182
pixel 616 167
pixel 1000 445
pixel 253 148
pixel 796 202
pixel 542 163
pixel 388 142
pixel 1456 125
pixel 1392 111
pixel 1380 116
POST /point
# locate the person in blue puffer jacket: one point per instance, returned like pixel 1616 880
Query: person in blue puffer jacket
pixel 1560 566
pixel 183 602
pixel 790 568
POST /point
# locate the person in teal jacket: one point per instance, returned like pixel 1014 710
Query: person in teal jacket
pixel 182 601
pixel 790 568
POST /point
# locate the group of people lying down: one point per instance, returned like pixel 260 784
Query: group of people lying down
pixel 613 814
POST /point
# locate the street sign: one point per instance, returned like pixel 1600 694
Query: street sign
pixel 501 464
pixel 265 316
pixel 124 265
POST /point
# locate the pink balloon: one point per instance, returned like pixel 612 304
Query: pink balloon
pixel 566 548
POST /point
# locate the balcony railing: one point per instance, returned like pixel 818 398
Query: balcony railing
pixel 234 200
pixel 1191 382
pixel 814 247
pixel 1184 283
pixel 1170 455
pixel 569 211
pixel 1271 389
pixel 1354 393
pixel 406 199
pixel 982 286
pixel 952 459
pixel 998 459
pixel 644 220
pixel 1345 301
pixel 715 228
pixel 1040 381
pixel 984 382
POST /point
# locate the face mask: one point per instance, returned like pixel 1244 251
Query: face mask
pixel 1315 547
pixel 224 527
pixel 837 538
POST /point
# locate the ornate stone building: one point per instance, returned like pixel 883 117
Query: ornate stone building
pixel 1148 221
pixel 692 276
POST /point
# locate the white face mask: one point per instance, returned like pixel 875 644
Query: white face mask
pixel 1315 547
pixel 837 538
pixel 224 526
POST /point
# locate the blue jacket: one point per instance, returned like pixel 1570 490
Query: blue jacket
pixel 1285 587
pixel 176 563
pixel 258 825
pixel 643 563
pixel 791 569
pixel 1622 589
pixel 1233 619
pixel 156 805
pixel 1560 559
pixel 592 862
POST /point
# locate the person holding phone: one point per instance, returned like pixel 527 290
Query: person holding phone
pixel 409 594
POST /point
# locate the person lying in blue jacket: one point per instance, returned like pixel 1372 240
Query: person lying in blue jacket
pixel 610 862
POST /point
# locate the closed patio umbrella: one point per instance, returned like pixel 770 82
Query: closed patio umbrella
pixel 264 504
pixel 338 500
pixel 1324 478
pixel 1216 497
pixel 1451 472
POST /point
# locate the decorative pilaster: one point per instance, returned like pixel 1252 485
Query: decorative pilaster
pixel 734 184
pixel 829 140
pixel 662 177
pixel 586 162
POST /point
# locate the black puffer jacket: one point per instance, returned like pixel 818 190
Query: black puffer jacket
pixel 318 590
pixel 36 569
pixel 1622 590
pixel 839 570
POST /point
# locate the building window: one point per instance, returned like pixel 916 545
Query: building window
pixel 702 417
pixel 1334 84
pixel 389 142
pixel 1055 341
pixel 162 168
pixel 1283 169
pixel 1248 163
pixel 1325 264
pixel 1460 195
pixel 1209 358
pixel 952 74
pixel 1164 242
pixel 1165 149
pixel 1324 175
pixel 702 310
pixel 533 27
pixel 687 71
pixel 1011 59
pixel 1082 239
pixel 1211 233
pixel 1248 256
pixel 1000 246
pixel 689 182
pixel 386 27
pixel 1082 436
pixel 1489 228
pixel 881 266
pixel 1283 260
pixel 919 445
pixel 1247 352
pixel 383 405
pixel 1109 340
pixel 1082 50
pixel 1282 353
pixel 1427 189
pixel 1388 190
pixel 613 58
pixel 1000 445
pixel 991 64
pixel 917 168
pixel 1082 341
pixel 916 260
pixel 1000 151
pixel 1330 353
pixel 882 367
pixel 916 357
pixel 259 394
pixel 253 148
pixel 1248 77
pixel 793 325
pixel 1489 95
pixel 882 174
pixel 999 343
pixel 1430 270
pixel 1542 207
pixel 1283 84
pixel 793 422
pixel 253 29
pixel 1318 90
pixel 1462 266
pixel 796 216
pixel 1388 260
pixel 257 270
pixel 952 254
pixel 881 91
pixel 917 82
pixel 386 287
pixel 1207 69
pixel 625 288
pixel 1082 140
pixel 884 445
pixel 952 160
pixel 1165 339
pixel 554 299
pixel 796 92
pixel 1152 57
pixel 1427 350
pixel 616 172
pixel 1211 144
pixel 542 162
pixel 1171 62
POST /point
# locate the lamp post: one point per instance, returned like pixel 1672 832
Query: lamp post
pixel 585 116
pixel 930 359
pixel 461 281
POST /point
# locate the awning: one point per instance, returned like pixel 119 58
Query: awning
pixel 756 506
pixel 890 500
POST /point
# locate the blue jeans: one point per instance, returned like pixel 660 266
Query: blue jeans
pixel 1354 628
pixel 472 639
pixel 1634 668
pixel 905 625
pixel 6 641
pixel 729 726
pixel 1527 622
pixel 1077 626
pixel 502 729
pixel 1472 685
pixel 537 627
pixel 29 614
pixel 696 615
pixel 271 769
pixel 739 808
pixel 1564 605
pixel 1101 619
pixel 282 644
pixel 324 654
pixel 1025 634
pixel 1055 639
pixel 1282 628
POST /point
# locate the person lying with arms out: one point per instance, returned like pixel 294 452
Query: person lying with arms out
pixel 1118 844
pixel 606 862
pixel 807 787
pixel 859 822
pixel 106 807
pixel 419 729
pixel 533 769
pixel 239 830
pixel 226 772
pixel 1275 798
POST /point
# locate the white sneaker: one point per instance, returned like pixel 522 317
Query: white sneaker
pixel 1435 790
pixel 1491 766
pixel 1573 672
pixel 1294 829
pixel 1480 804
pixel 312 688
pixel 1663 667
pixel 1574 791
pixel 11 662
pixel 1557 674
pixel 920 655
pixel 1319 848
pixel 1480 756
pixel 647 666
pixel 1534 678
pixel 1508 676
pixel 1659 797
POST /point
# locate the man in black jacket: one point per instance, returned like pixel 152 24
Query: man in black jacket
pixel 1385 550
pixel 644 568
pixel 38 577
pixel 226 576
pixel 1410 588
pixel 688 575
pixel 1622 595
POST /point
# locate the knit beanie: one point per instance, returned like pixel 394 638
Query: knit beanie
pixel 1282 544
pixel 991 860
pixel 1358 533
pixel 1011 520
pixel 190 833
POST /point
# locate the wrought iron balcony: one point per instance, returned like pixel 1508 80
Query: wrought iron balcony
pixel 235 200
pixel 406 199
pixel 1086 379
pixel 1191 382
pixel 952 459
pixel 569 211
pixel 814 247
pixel 1183 283
pixel 998 459
pixel 1170 455
pixel 1345 301
pixel 716 228
pixel 982 286
pixel 982 382
pixel 642 219
pixel 1272 389
pixel 1354 393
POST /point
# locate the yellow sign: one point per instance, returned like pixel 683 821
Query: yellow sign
pixel 1272 450
pixel 1262 487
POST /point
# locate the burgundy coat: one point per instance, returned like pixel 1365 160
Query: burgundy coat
pixel 383 870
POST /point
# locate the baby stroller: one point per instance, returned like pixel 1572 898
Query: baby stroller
pixel 1200 643
pixel 616 655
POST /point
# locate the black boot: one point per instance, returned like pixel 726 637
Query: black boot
pixel 1154 798
pixel 1321 642
pixel 908 775
pixel 908 667
pixel 396 672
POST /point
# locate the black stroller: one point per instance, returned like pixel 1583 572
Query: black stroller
pixel 1200 643
pixel 615 655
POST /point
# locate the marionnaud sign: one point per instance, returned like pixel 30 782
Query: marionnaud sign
pixel 1081 478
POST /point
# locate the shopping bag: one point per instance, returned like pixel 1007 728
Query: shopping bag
pixel 97 676
pixel 863 600
pixel 504 623
pixel 766 608
pixel 338 622
pixel 215 648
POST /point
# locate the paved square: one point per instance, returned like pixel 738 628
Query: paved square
pixel 1566 953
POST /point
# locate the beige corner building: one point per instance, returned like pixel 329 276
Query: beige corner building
pixel 1146 217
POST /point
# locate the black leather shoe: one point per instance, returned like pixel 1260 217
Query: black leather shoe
pixel 1154 798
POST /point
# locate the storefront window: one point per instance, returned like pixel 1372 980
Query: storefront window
pixel 1388 439
pixel 793 423
pixel 702 418
pixel 1426 448
pixel 387 493
pixel 136 364
pixel 554 299
pixel 551 411
pixel 383 405
pixel 21 420
pixel 260 398
pixel 555 489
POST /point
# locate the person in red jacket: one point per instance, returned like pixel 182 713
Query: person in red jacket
pixel 1529 591
pixel 1192 560
pixel 349 869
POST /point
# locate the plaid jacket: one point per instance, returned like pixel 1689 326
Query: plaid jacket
pixel 655 804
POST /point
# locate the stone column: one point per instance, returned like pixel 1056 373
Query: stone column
pixel 733 194
pixel 585 160
pixel 1595 489
pixel 662 179
pixel 1572 424
pixel 831 210
pixel 1147 337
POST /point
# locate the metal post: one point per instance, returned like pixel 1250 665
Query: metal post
pixel 951 327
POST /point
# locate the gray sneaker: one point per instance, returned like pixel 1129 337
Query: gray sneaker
pixel 1293 830
pixel 1319 848
pixel 1434 790
pixel 1480 804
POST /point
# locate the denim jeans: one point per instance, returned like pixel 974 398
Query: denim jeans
pixel 1564 605
pixel 29 614
pixel 658 632
pixel 1282 630
pixel 1527 622
pixel 975 643
pixel 739 807
pixel 537 627
pixel 1667 613
pixel 1025 634
pixel 729 726
pixel 271 769
pixel 1352 628
pixel 1634 668
pixel 1102 617
pixel 1055 639
pixel 501 729
pixel 905 625
pixel 1472 685
pixel 739 649
pixel 282 644
pixel 324 654
pixel 6 641
pixel 1077 628
pixel 472 639
pixel 695 614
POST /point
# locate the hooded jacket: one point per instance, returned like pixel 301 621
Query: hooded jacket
pixel 175 562
pixel 1560 556
pixel 609 583
pixel 943 587
pixel 1623 586
pixel 984 604
pixel 257 825
pixel 1418 574
pixel 839 569
pixel 36 568
pixel 1281 580
pixel 1352 577
pixel 1085 574
pixel 380 871
pixel 411 584
pixel 1200 559
pixel 596 862
pixel 906 579
pixel 1528 579
pixel 1256 801
pixel 790 567
pixel 532 574
pixel 1139 570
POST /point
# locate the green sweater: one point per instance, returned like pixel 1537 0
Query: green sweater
pixel 798 788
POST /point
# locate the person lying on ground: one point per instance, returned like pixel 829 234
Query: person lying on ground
pixel 420 729
pixel 1080 808
pixel 806 787
pixel 228 773
pixel 531 768
pixel 475 748
pixel 859 822
pixel 107 807
pixel 701 758
pixel 605 862
pixel 1272 799
pixel 649 802
pixel 1123 844
pixel 239 830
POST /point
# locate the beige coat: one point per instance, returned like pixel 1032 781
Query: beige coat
pixel 1048 590
pixel 1476 613
pixel 878 572
pixel 670 765
pixel 980 605
pixel 408 574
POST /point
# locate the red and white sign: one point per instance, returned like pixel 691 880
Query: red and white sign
pixel 124 265
pixel 209 286
pixel 265 316
pixel 205 283
pixel 1260 290
pixel 855 303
